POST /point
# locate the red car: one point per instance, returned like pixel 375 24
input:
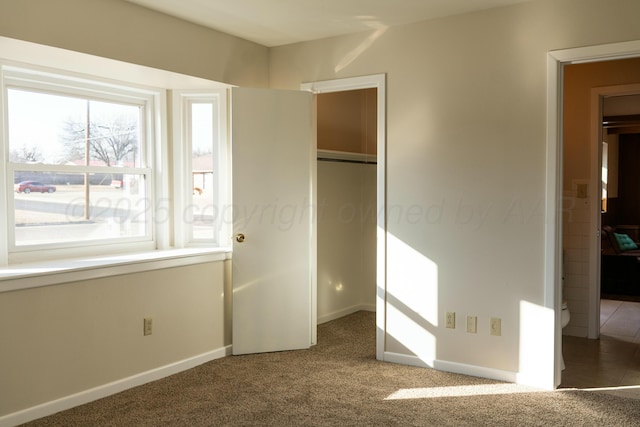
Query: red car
pixel 29 186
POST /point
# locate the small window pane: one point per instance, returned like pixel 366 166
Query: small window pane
pixel 202 214
pixel 59 208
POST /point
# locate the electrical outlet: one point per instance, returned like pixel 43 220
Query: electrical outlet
pixel 148 326
pixel 496 326
pixel 450 320
pixel 472 324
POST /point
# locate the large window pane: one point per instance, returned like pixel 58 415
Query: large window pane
pixel 55 129
pixel 61 208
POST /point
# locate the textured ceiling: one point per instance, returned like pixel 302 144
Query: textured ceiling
pixel 278 22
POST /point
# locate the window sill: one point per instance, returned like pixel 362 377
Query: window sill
pixel 34 275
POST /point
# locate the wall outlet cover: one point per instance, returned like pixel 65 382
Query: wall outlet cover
pixel 450 320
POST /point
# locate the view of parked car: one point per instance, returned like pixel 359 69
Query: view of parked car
pixel 35 186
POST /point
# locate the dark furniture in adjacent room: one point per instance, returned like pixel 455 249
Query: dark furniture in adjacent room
pixel 620 266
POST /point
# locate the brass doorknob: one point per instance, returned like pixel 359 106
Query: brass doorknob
pixel 239 237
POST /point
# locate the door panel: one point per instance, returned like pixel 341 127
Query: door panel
pixel 272 149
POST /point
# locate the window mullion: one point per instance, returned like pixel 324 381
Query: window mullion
pixel 157 130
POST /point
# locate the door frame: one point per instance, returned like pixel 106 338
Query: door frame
pixel 556 60
pixel 377 81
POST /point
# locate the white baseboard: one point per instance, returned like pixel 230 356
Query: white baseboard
pixel 345 312
pixel 456 368
pixel 405 359
pixel 109 389
pixel 477 371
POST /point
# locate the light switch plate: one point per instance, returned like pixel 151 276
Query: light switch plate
pixel 496 326
pixel 148 326
pixel 472 324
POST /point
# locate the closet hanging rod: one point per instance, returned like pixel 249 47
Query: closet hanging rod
pixel 330 159
pixel 345 156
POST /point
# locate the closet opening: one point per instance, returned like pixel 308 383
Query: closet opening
pixel 347 203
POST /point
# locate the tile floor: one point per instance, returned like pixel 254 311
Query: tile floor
pixel 613 361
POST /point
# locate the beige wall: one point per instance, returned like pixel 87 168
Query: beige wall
pixel 346 238
pixel 466 150
pixel 120 30
pixel 65 339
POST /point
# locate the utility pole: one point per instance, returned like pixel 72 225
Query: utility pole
pixel 87 160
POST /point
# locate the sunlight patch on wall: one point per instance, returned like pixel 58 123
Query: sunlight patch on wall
pixel 380 29
pixel 414 279
pixel 412 300
pixel 536 347
pixel 411 335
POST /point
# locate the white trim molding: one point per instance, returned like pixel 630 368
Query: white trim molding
pixel 556 60
pixel 345 312
pixel 34 275
pixel 453 367
pixel 109 389
pixel 377 81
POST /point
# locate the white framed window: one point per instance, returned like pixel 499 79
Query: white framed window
pixel 88 211
pixel 202 211
pixel 80 161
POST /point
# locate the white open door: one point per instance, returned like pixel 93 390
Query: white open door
pixel 273 151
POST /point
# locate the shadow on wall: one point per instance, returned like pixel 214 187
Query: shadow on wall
pixel 461 268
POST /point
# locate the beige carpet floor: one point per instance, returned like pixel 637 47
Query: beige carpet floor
pixel 340 383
